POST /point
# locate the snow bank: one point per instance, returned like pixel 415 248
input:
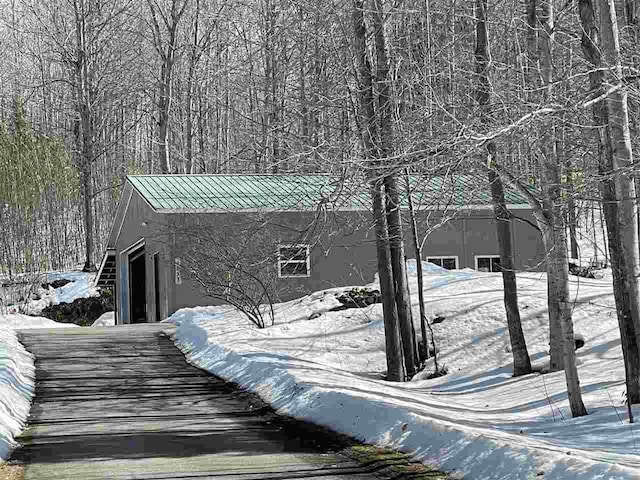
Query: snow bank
pixel 81 286
pixel 19 320
pixel 17 376
pixel 478 420
pixel 107 319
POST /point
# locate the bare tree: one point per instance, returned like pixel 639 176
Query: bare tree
pixel 394 219
pixel 368 127
pixel 165 25
pixel 616 159
pixel 521 360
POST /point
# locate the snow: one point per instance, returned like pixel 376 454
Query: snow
pixel 81 286
pixel 17 377
pixel 478 421
pixel 107 319
pixel 17 374
pixel 20 321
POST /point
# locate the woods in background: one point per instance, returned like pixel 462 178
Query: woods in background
pixel 541 95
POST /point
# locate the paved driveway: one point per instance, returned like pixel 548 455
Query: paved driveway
pixel 122 403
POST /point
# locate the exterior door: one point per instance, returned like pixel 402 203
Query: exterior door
pixel 137 286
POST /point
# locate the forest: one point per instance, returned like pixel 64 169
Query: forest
pixel 541 95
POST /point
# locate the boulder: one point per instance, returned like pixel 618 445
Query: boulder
pixel 82 311
pixel 358 298
pixel 56 283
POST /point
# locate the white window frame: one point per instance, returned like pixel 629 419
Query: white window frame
pixel 307 260
pixel 444 257
pixel 476 257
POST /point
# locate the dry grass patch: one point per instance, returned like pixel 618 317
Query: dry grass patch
pixel 11 472
pixel 396 465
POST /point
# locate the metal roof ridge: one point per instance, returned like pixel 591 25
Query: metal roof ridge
pixel 231 175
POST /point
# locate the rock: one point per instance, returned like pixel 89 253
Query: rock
pixel 83 311
pixel 438 319
pixel 586 272
pixel 56 284
pixel 579 340
pixel 358 298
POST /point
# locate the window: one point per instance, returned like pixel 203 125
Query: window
pixel 488 263
pixel 293 261
pixel 449 263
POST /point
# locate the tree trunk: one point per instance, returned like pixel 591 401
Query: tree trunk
pixel 573 226
pixel 521 361
pixel 368 133
pixel 403 300
pixel 190 166
pixel 623 309
pixel 85 134
pixel 164 108
pixel 169 21
pixel 394 341
pixel 550 166
pixel 624 305
pixel 562 291
pixel 394 219
pixel 556 359
pixel 572 219
pixel 622 157
pixel 417 248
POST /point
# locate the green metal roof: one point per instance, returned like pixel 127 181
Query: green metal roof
pixel 438 193
pixel 232 192
pixel 175 193
pixel 459 191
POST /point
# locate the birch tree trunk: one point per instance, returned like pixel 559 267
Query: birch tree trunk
pixel 560 257
pixel 622 159
pixel 550 166
pixel 539 39
pixel 620 138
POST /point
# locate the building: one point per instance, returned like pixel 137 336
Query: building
pixel 187 240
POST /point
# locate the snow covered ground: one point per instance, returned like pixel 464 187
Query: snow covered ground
pixel 477 421
pixel 28 286
pixel 17 376
pixel 106 320
pixel 81 286
pixel 17 370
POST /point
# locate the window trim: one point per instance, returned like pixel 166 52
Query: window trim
pixel 444 257
pixel 306 261
pixel 476 257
